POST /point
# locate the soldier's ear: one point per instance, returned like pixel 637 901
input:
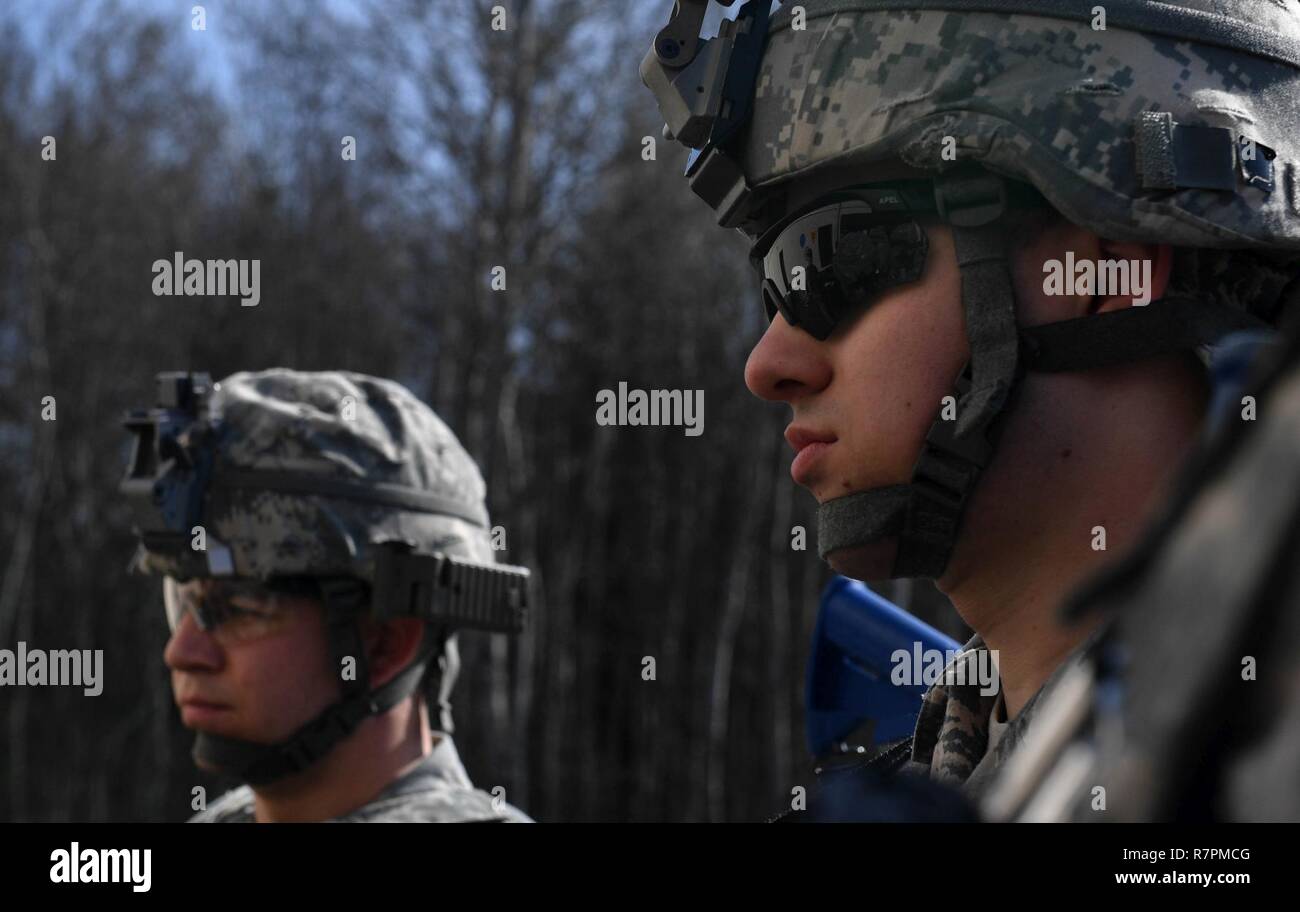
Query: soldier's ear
pixel 390 646
pixel 1065 270
pixel 1153 264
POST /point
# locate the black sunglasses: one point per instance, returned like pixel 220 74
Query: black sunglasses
pixel 832 258
pixel 820 263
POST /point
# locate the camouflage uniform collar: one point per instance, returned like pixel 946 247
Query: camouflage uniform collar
pixel 951 741
pixel 952 728
pixel 440 768
pixel 436 790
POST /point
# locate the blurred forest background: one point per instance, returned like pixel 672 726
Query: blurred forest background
pixel 475 148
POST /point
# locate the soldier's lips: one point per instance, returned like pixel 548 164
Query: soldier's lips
pixel 808 445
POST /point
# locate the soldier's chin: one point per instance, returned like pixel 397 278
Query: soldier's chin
pixel 869 563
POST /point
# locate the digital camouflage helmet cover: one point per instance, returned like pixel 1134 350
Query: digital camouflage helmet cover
pixel 344 480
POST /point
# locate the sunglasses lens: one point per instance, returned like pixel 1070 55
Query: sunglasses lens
pixel 843 254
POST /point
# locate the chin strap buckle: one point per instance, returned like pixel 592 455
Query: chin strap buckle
pixel 949 464
pixel 943 478
pixel 327 730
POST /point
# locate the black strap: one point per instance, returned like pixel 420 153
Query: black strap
pixel 943 479
pixel 861 518
pixel 259 763
pixel 956 453
pixel 308 744
pixel 988 300
pixel 1173 324
pixel 926 513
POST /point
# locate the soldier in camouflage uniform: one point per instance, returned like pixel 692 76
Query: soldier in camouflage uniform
pixel 905 172
pixel 321 537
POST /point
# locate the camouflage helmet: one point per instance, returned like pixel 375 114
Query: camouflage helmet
pixel 311 471
pixel 343 478
pixel 1176 122
pixel 1162 122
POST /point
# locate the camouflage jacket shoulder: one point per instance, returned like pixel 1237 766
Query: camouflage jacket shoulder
pixel 1188 709
pixel 438 790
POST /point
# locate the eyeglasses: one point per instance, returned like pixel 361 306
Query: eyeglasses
pixel 828 260
pixel 236 609
pixel 820 264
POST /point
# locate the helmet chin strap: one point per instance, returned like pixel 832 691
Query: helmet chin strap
pixel 258 764
pixel 925 515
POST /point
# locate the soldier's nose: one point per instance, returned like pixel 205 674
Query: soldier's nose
pixel 786 364
pixel 192 648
